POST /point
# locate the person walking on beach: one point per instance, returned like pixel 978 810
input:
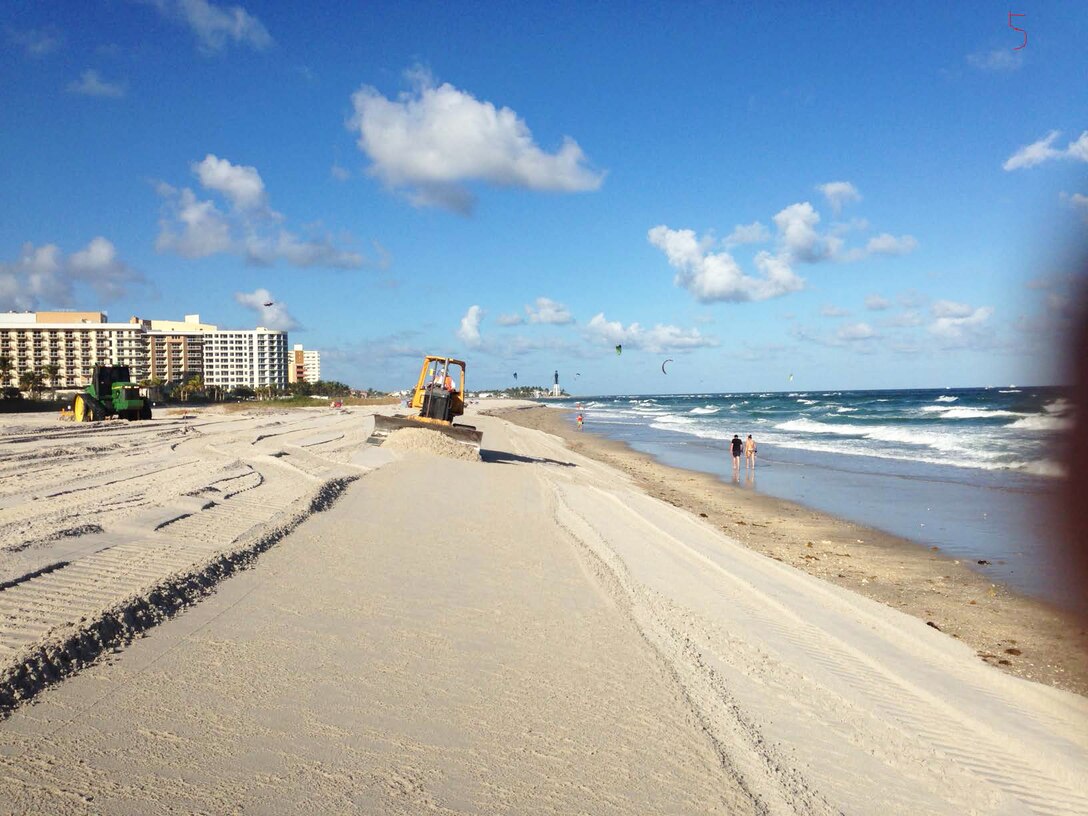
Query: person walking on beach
pixel 580 420
pixel 749 452
pixel 737 447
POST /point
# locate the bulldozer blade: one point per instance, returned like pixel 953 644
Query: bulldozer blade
pixel 385 425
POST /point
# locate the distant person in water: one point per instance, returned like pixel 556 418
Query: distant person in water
pixel 749 452
pixel 737 448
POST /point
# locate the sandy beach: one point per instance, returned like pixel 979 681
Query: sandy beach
pixel 262 613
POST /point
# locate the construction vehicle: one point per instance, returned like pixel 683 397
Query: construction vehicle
pixel 110 393
pixel 439 397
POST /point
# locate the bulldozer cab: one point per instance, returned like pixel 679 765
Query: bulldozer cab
pixel 440 390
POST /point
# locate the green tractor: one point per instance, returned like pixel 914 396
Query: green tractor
pixel 111 393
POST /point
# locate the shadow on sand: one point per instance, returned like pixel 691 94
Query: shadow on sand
pixel 505 457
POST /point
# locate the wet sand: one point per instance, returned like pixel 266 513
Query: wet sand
pixel 1021 635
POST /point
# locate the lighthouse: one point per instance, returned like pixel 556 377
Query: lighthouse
pixel 555 385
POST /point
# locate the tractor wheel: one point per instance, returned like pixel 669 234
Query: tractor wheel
pixel 145 412
pixel 81 409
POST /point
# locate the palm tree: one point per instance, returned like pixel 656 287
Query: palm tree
pixel 31 382
pixel 50 372
pixel 6 367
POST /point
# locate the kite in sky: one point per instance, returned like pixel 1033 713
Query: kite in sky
pixel 663 371
pixel 619 350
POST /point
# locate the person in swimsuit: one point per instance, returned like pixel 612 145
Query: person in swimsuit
pixel 749 452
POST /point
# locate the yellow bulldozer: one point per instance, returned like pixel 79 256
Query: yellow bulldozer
pixel 439 397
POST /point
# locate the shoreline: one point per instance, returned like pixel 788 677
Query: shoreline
pixel 1024 636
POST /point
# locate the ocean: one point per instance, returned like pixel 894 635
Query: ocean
pixel 969 470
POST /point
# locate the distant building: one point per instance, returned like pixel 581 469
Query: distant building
pixel 75 342
pixel 303 365
pixel 162 349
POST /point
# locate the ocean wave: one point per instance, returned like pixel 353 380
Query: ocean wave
pixel 708 409
pixel 957 412
pixel 1043 423
pixel 1010 391
pixel 1060 406
pixel 945 398
pixel 672 419
pixel 844 410
pixel 886 433
pixel 807 402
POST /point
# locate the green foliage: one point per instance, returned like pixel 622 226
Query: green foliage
pixel 32 383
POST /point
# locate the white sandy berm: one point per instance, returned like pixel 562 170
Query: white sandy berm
pixel 528 633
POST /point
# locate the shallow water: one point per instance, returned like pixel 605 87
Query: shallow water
pixel 983 498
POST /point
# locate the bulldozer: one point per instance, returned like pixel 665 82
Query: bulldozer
pixel 439 397
pixel 110 393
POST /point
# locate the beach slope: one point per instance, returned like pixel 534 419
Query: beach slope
pixel 532 633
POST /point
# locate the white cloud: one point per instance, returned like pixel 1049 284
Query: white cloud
pixel 510 320
pixel 195 228
pixel 1043 150
pixel 950 308
pixel 469 330
pixel 830 310
pixel 855 331
pixel 754 233
pixel 242 185
pixel 906 319
pixel 548 311
pixel 274 316
pixel 839 193
pixel 91 84
pixel 431 141
pixel 204 230
pixel 797 231
pixel 875 303
pixel 999 59
pixel 958 323
pixel 216 27
pixel 886 244
pixel 1078 201
pixel 713 276
pixel 42 276
pixel 661 338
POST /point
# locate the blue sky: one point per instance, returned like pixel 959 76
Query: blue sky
pixel 863 195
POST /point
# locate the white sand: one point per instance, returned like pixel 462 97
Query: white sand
pixel 523 634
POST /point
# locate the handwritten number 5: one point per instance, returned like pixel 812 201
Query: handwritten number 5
pixel 1014 28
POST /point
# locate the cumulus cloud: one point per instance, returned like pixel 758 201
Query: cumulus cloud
pixel 42 276
pixel 546 310
pixel 469 330
pixel 797 232
pixel 242 185
pixel 271 314
pixel 754 233
pixel 431 141
pixel 196 228
pixel 830 310
pixel 91 84
pixel 855 331
pixel 216 27
pixel 875 303
pixel 839 193
pixel 716 276
pixel 510 320
pixel 661 338
pixel 997 60
pixel 1044 150
pixel 887 244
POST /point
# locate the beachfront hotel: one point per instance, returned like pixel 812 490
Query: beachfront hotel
pixel 167 350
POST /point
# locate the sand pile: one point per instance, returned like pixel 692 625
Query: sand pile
pixel 435 443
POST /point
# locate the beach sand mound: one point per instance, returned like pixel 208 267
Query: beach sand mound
pixel 436 443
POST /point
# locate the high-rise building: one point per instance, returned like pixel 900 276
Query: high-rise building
pixel 74 342
pixel 255 358
pixel 161 349
pixel 303 365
